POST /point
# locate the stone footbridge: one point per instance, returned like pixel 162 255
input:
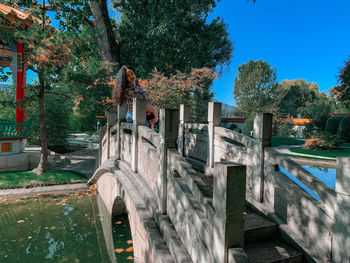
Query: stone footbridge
pixel 203 193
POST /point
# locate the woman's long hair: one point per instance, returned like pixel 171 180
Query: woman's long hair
pixel 120 87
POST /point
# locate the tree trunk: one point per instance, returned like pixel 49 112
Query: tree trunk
pixel 44 152
pixel 108 47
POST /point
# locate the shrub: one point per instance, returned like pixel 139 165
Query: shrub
pixel 286 128
pixel 235 128
pixel 344 129
pixel 248 126
pixel 322 141
pixel 333 124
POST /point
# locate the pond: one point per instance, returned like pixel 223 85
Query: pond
pixel 324 174
pixel 61 228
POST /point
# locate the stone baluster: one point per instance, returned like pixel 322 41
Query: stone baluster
pixel 185 113
pixel 262 135
pixel 139 119
pixel 341 230
pixel 214 120
pixel 111 120
pixel 229 205
pixel 121 114
pixel 168 130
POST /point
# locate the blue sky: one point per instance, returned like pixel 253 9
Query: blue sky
pixel 307 39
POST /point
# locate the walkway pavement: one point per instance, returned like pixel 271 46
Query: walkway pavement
pixel 82 161
pixel 286 150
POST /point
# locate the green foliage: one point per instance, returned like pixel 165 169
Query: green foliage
pixel 296 96
pixel 7 102
pixel 342 92
pixel 332 124
pixel 254 88
pixel 248 126
pixel 286 129
pixel 235 128
pixel 344 129
pixel 162 36
pixel 57 114
pixel 319 111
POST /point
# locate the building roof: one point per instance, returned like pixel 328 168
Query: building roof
pixel 13 15
pixel 298 121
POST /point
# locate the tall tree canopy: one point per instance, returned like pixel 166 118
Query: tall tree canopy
pixel 255 88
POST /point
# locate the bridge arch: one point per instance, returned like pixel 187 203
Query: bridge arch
pixel 118 195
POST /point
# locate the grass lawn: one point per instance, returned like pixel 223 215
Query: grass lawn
pixel 281 141
pixel 24 179
pixel 342 152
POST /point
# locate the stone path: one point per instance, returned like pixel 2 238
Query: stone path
pixel 82 161
pixel 286 150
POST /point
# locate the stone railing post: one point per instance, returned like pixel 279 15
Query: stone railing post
pixel 229 205
pixel 111 120
pixel 214 120
pixel 185 113
pixel 262 135
pixel 341 229
pixel 121 114
pixel 138 119
pixel 168 130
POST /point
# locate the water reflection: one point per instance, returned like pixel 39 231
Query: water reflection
pixel 52 228
pixel 324 174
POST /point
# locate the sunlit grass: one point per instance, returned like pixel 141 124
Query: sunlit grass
pixel 24 179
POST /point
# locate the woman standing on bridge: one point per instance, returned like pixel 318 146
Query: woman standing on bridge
pixel 126 87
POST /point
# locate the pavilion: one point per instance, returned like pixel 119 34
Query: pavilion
pixel 13 132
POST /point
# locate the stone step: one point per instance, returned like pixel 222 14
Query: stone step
pixel 258 228
pixel 272 252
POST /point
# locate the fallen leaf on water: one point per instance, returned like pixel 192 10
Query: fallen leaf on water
pixel 118 222
pixel 129 249
pixel 20 221
pixel 130 258
pixel 129 242
pixel 119 250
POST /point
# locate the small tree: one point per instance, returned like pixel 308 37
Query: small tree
pixel 254 88
pixel 49 52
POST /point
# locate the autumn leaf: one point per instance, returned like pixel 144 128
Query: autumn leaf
pixel 129 249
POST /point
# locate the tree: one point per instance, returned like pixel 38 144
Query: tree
pixel 342 91
pixel 170 92
pixel 255 87
pixel 49 52
pixel 297 95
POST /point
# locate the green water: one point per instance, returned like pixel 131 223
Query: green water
pixel 60 228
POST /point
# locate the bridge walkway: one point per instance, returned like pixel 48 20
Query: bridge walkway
pixel 205 193
pixel 263 242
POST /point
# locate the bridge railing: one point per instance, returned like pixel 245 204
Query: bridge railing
pixel 267 187
pixel 177 187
